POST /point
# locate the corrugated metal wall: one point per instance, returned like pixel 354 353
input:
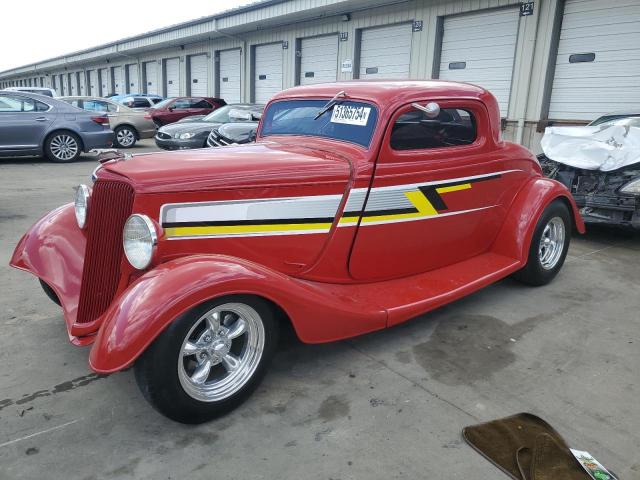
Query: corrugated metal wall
pixel 292 20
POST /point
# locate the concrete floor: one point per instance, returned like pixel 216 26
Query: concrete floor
pixel 384 406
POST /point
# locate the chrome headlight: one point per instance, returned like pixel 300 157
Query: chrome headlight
pixel 81 203
pixel 633 187
pixel 186 136
pixel 139 239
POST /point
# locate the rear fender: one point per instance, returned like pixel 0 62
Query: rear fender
pixel 515 236
pixel 160 296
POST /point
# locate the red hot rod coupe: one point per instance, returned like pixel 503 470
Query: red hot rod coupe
pixel 360 206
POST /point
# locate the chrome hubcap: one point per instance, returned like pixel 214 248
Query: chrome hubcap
pixel 64 147
pixel 125 137
pixel 221 352
pixel 551 243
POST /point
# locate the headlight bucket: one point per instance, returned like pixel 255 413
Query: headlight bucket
pixel 140 240
pixel 81 205
pixel 633 187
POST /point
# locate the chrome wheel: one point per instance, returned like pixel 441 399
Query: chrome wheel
pixel 551 243
pixel 63 147
pixel 221 352
pixel 125 137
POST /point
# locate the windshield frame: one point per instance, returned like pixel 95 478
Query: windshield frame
pixel 368 102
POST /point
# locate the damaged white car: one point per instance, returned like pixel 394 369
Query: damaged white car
pixel 600 165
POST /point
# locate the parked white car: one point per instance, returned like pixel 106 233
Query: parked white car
pixel 48 92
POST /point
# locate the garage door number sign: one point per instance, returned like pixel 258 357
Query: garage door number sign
pixel 350 115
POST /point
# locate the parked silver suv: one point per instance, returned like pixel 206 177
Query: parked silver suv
pixel 32 124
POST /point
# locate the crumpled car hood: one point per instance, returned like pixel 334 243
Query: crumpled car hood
pixel 604 148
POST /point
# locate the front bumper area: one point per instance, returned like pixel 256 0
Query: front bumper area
pixel 53 250
pixel 177 144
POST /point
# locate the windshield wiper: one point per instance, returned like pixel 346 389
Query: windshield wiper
pixel 330 104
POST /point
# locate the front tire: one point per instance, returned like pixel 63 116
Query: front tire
pixel 549 246
pixel 208 361
pixel 125 137
pixel 63 147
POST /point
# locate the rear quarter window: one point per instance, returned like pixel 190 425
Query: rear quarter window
pixel 453 127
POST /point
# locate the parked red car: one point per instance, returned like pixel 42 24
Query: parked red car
pixel 361 205
pixel 173 109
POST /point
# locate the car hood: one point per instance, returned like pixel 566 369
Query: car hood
pixel 258 165
pixel 189 127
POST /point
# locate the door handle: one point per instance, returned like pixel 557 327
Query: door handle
pixel 41 119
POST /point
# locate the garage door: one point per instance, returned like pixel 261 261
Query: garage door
pixel 172 77
pixel 118 81
pixel 385 52
pixel 133 85
pixel 268 71
pixel 82 83
pixel 73 84
pixel 104 82
pixel 319 59
pixel 198 75
pixel 93 83
pixel 598 63
pixel 151 77
pixel 480 48
pixel 229 76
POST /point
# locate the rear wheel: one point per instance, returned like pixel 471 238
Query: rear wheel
pixel 549 246
pixel 125 136
pixel 62 147
pixel 49 291
pixel 208 361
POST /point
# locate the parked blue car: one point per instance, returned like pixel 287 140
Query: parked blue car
pixel 32 124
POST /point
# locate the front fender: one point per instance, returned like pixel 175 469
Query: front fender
pixel 515 236
pixel 160 296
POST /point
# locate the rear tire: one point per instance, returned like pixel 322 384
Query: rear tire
pixel 125 136
pixel 209 360
pixel 50 293
pixel 549 246
pixel 63 147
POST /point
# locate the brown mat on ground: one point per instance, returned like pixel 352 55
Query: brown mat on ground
pixel 525 447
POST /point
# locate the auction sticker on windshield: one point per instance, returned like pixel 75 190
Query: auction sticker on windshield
pixel 350 115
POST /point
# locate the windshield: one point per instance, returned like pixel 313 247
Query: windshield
pixel 163 103
pixel 616 119
pixel 221 115
pixel 347 120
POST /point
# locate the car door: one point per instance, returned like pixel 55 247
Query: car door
pixel 23 123
pixel 180 108
pixel 439 193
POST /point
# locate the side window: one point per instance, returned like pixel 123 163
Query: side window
pixel 200 103
pixel 453 127
pixel 11 104
pixel 95 106
pixel 41 107
pixel 156 100
pixel 181 103
pixel 140 102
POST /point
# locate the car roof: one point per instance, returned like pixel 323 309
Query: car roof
pixel 383 91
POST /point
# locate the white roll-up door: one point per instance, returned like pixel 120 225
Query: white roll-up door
pixel 151 77
pixel 118 80
pixel 73 84
pixel 385 52
pixel 82 83
pixel 104 82
pixel 229 76
pixel 199 75
pixel 479 48
pixel 268 71
pixel 318 59
pixel 598 62
pixel 172 77
pixel 94 85
pixel 133 85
